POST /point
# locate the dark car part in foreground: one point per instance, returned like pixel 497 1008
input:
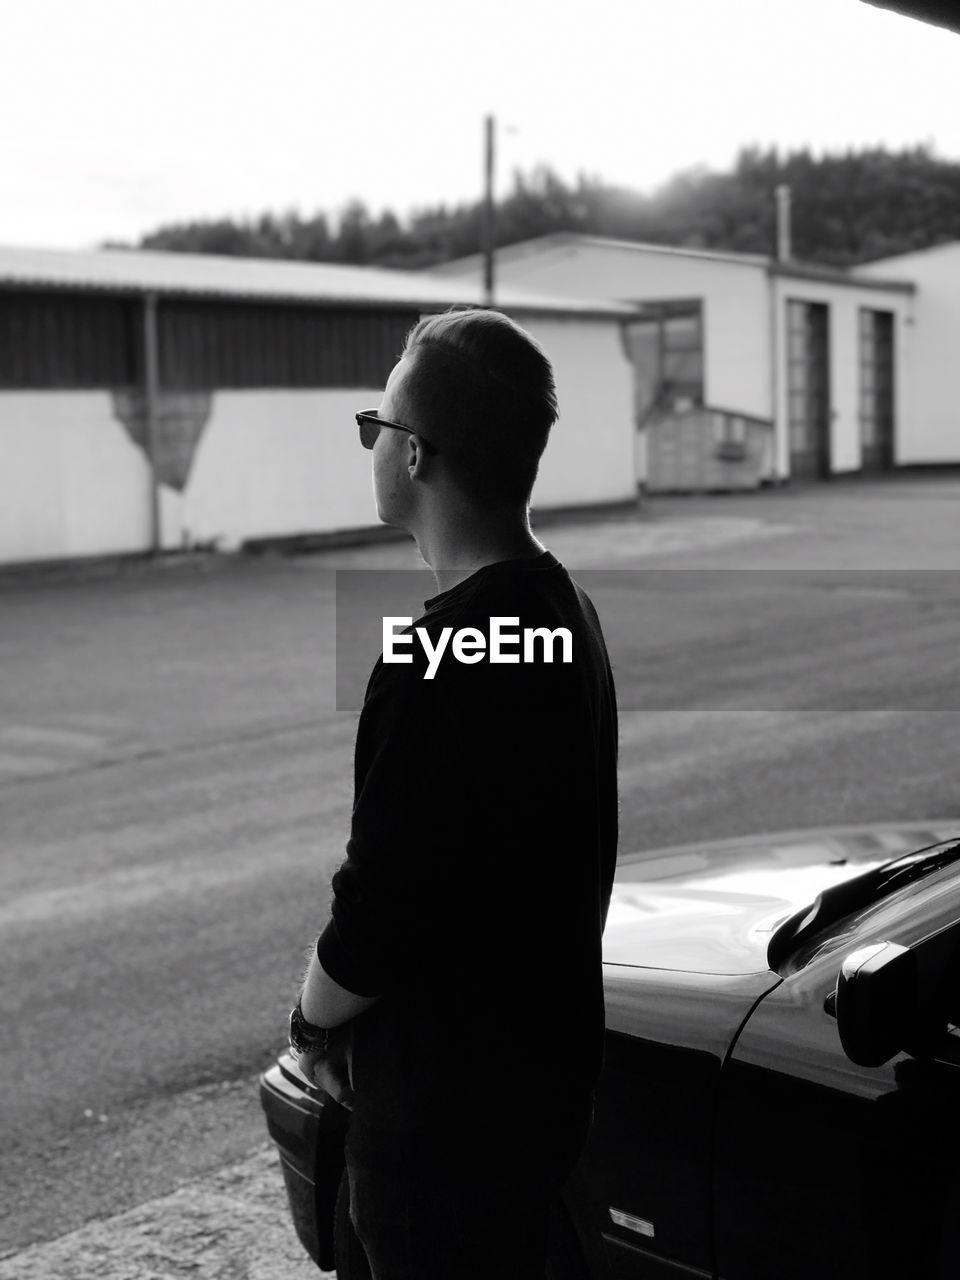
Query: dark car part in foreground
pixel 780 1095
pixel 309 1131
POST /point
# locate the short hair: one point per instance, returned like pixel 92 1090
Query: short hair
pixel 483 391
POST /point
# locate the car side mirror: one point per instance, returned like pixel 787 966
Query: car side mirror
pixel 876 1002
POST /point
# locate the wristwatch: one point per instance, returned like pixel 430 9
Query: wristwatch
pixel 306 1037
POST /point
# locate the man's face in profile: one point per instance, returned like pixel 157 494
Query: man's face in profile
pixel 392 453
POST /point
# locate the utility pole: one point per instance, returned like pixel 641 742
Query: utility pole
pixel 151 398
pixel 784 247
pixel 486 224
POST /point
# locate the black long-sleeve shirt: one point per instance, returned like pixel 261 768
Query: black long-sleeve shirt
pixel 477 879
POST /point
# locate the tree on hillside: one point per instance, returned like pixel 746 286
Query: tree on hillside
pixel 846 208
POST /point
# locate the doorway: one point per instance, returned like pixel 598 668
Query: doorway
pixel 808 389
pixel 876 390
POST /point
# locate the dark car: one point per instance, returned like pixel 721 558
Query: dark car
pixel 780 1097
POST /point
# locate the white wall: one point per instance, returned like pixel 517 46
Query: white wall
pixel 844 302
pixel 735 298
pixel 277 462
pixel 72 483
pixel 931 413
pixel 590 455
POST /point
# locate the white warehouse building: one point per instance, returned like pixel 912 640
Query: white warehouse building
pixel 749 369
pixel 932 430
pixel 156 401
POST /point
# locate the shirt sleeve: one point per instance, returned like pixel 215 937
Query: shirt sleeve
pixel 438 766
pixel 389 889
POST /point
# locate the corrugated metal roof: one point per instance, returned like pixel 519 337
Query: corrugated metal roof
pixel 568 240
pixel 140 271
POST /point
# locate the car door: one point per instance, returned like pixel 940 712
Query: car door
pixel 643 1189
pixel 827 1169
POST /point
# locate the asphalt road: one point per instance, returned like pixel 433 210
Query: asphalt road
pixel 175 788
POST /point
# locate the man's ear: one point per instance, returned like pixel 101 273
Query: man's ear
pixel 416 457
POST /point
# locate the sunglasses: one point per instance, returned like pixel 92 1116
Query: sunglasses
pixel 370 422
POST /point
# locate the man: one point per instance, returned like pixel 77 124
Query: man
pixel 465 932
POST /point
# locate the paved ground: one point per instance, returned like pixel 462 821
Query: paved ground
pixel 175 789
pixel 897 523
pixel 233 1225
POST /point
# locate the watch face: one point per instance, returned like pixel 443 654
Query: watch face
pixel 303 1040
pixel 296 1031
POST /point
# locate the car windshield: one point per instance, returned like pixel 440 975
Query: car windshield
pixel 838 902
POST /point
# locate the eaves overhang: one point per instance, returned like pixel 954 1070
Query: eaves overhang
pixel 837 275
pixel 938 13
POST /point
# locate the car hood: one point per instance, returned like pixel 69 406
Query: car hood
pixel 713 907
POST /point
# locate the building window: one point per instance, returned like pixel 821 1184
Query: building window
pixel 682 357
pixel 666 346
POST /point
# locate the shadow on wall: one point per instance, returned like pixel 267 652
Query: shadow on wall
pixel 180 421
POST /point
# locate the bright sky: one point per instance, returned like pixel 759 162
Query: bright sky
pixel 118 117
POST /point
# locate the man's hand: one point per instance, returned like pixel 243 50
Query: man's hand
pixel 325 1003
pixel 329 1075
pixel 332 1071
